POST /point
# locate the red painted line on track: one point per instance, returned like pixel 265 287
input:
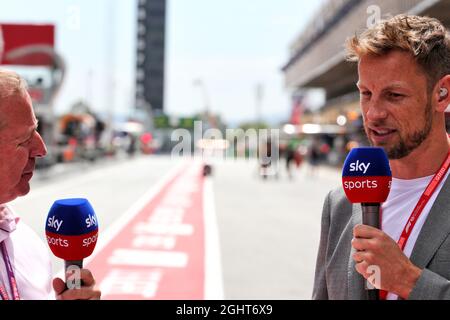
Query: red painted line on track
pixel 160 253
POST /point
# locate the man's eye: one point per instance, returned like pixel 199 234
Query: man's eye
pixel 365 93
pixel 395 95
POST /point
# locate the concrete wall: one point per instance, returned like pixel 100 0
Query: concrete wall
pixel 328 51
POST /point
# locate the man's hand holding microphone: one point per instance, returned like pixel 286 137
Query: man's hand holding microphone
pixel 375 248
pixel 366 179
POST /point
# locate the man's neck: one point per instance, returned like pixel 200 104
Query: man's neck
pixel 424 161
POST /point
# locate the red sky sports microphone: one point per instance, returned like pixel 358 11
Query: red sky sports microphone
pixel 72 230
pixel 366 178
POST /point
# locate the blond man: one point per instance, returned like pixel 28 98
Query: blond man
pixel 404 85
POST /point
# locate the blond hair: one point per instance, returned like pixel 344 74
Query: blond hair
pixel 425 38
pixel 11 84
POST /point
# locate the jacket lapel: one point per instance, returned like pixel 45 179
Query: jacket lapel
pixel 435 229
pixel 356 289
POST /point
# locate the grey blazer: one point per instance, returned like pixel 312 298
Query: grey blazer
pixel 336 276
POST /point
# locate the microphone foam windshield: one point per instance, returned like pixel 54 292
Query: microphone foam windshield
pixel 71 229
pixel 366 176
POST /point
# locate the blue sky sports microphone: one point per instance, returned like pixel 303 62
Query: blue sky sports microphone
pixel 366 178
pixel 72 230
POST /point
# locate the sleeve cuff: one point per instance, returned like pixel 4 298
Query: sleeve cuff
pixel 430 286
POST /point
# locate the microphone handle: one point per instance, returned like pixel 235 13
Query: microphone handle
pixel 371 217
pixel 371 214
pixel 69 264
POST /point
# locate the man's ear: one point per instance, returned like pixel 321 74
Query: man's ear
pixel 442 92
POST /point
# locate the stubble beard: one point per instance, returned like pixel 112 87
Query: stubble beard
pixel 409 143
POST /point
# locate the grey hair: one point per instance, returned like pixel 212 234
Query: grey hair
pixel 11 84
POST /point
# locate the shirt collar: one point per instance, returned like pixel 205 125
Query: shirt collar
pixel 8 222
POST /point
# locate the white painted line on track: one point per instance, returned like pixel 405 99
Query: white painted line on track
pixel 213 264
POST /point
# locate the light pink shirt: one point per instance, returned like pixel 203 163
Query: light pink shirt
pixel 29 258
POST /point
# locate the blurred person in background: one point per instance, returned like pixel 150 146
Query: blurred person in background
pixel 132 145
pixel 292 156
pixel 25 267
pixel 404 84
pixel 313 156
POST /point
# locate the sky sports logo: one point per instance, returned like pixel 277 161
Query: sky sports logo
pixel 367 189
pixel 365 184
pixel 366 176
pixel 356 183
pixel 91 221
pixel 61 241
pixel 362 182
pixel 70 233
pixel 359 166
pixel 55 223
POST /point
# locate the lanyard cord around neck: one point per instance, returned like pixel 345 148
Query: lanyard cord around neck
pixel 11 277
pixel 418 209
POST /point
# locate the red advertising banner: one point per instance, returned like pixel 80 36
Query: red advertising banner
pixel 26 44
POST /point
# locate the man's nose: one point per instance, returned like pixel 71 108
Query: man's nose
pixel 38 148
pixel 376 111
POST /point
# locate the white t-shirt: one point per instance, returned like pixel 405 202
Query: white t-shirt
pixel 398 207
pixel 29 258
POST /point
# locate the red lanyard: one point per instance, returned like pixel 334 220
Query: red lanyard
pixel 11 277
pixel 426 195
pixel 431 188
